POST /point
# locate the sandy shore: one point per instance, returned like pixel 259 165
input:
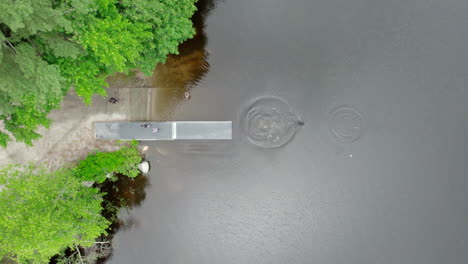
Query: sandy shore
pixel 71 136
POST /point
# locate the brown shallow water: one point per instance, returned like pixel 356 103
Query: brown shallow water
pixel 378 172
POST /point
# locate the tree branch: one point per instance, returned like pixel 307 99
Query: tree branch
pixel 68 259
pixel 98 242
pixel 11 45
pixel 79 254
pixel 69 10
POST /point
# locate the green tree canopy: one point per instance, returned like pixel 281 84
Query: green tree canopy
pixel 96 166
pixel 48 46
pixel 43 213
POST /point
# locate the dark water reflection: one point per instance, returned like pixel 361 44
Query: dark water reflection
pixel 122 194
pixel 178 75
pixel 183 71
pixel 125 193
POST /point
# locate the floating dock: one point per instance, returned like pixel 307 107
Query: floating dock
pixel 178 130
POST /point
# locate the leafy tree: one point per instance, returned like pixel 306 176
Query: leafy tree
pixel 48 46
pixel 96 166
pixel 43 213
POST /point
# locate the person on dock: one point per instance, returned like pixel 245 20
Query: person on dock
pixel 155 130
pixel 145 125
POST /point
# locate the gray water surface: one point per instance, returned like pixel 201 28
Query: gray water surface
pixel 378 173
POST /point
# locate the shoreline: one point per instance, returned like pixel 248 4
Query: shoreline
pixel 71 135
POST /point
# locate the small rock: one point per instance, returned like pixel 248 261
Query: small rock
pixel 144 167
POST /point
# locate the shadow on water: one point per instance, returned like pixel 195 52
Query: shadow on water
pixel 187 68
pixel 181 72
pixel 174 79
pixel 125 193
pixel 122 193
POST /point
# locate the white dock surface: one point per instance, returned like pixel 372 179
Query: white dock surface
pixel 179 130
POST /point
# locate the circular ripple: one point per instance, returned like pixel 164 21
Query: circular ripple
pixel 270 123
pixel 346 124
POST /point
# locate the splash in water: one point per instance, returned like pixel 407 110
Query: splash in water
pixel 270 123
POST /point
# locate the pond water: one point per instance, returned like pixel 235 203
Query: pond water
pixel 377 171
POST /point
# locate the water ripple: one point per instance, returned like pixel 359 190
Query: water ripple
pixel 270 123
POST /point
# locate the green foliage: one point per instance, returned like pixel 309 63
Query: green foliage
pixel 28 17
pixel 3 139
pixel 43 213
pixel 172 25
pixel 30 88
pixel 48 46
pixel 96 166
pixel 121 35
